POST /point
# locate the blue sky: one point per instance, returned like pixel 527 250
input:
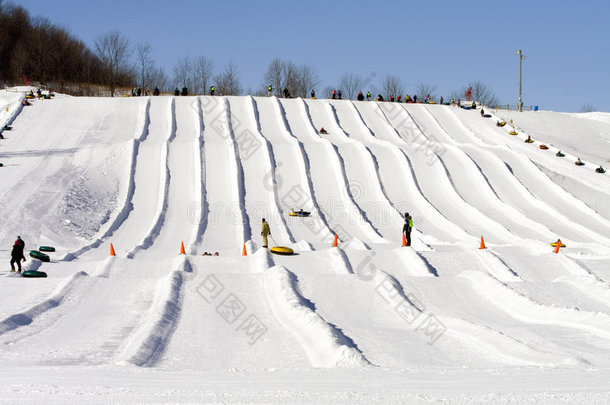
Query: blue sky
pixel 445 43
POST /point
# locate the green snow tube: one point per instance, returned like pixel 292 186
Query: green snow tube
pixel 33 274
pixel 40 256
pixel 1 164
pixel 46 249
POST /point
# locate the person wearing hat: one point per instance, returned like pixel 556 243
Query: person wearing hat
pixel 17 254
pixel 266 231
pixel 406 229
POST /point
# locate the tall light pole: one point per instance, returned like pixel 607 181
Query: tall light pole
pixel 521 57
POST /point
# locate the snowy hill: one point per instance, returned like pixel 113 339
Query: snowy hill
pixel 147 174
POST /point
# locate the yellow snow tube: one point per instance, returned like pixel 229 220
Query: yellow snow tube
pixel 282 250
pixel 513 132
pixel 554 244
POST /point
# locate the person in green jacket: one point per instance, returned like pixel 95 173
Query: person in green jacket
pixel 266 231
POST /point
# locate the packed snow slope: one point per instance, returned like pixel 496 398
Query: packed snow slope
pixel 149 174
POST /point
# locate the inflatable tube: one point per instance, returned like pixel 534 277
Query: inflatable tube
pixel 543 147
pixel 579 164
pixel 33 274
pixel 299 214
pixel 1 164
pixel 501 124
pixel 282 250
pixel 486 115
pixel 40 256
pixel 46 249
pixel 559 154
pixel 529 141
pixel 600 170
pixel 513 132
pixel 7 128
pixel 554 244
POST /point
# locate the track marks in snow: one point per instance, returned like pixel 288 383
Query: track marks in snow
pixel 289 175
pixel 149 341
pixel 27 316
pixel 225 218
pixel 325 165
pixel 325 345
pixel 256 158
pixel 526 310
pixel 583 279
pixel 163 195
pixel 482 338
pixel 127 206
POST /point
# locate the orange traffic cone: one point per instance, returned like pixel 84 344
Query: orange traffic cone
pixel 404 240
pixel 112 250
pixel 335 241
pixel 182 252
pixel 558 246
pixel 482 243
pixel 244 252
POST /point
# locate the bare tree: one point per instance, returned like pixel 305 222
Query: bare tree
pixel 227 82
pixel 308 80
pixel 182 73
pixel 113 51
pixel 298 80
pixel 146 65
pixel 274 76
pixel 392 86
pixel 350 84
pixel 586 108
pixel 202 74
pixel 481 93
pixel 425 89
pixel 159 78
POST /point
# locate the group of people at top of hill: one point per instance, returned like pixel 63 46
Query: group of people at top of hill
pixel 184 92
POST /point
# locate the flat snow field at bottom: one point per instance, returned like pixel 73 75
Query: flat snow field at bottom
pixel 112 384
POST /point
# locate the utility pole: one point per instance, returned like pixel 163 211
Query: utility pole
pixel 521 57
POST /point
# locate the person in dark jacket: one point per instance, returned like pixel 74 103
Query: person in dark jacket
pixel 185 91
pixel 313 94
pixel 176 92
pixel 156 91
pixel 360 96
pixel 17 254
pixel 406 229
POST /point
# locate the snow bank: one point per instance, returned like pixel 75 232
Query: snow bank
pixel 524 309
pixel 27 317
pixel 149 341
pixel 325 345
